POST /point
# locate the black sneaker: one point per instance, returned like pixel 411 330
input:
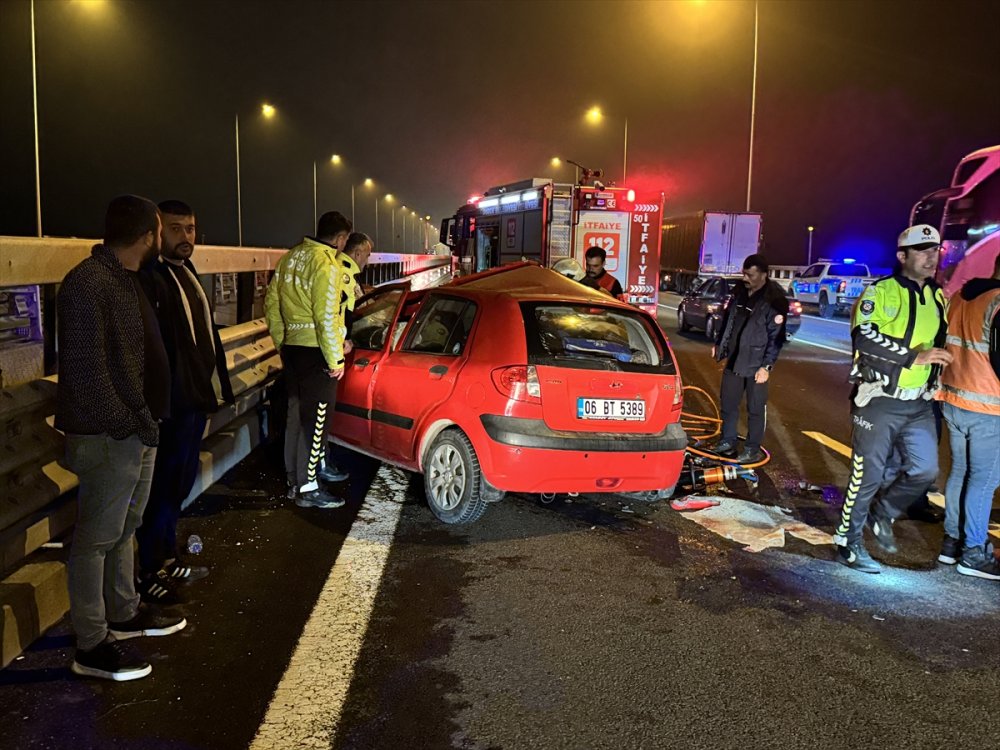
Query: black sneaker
pixel 111 660
pixel 291 491
pixel 725 448
pixel 333 474
pixel 979 562
pixel 156 589
pixel 882 530
pixel 951 550
pixel 146 622
pixel 750 456
pixel 318 499
pixel 856 557
pixel 180 573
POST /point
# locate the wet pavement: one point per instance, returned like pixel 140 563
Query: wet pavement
pixel 588 622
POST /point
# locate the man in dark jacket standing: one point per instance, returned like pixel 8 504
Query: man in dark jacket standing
pixel 113 388
pixel 750 337
pixel 197 362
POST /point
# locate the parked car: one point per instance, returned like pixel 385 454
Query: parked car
pixel 516 379
pixel 703 307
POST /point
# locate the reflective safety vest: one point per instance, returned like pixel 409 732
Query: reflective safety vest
pixel 969 382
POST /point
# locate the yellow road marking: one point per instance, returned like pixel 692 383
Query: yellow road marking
pixel 829 442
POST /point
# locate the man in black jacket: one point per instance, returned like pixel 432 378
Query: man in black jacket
pixel 750 337
pixel 197 363
pixel 113 388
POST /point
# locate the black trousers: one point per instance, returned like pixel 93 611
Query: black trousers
pixel 881 427
pixel 731 394
pixel 173 477
pixel 311 397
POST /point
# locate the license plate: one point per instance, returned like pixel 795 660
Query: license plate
pixel 630 410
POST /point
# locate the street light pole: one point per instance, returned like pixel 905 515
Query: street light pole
pixel 625 155
pixel 34 106
pixel 239 198
pixel 753 100
pixel 810 257
pixel 352 203
pixel 315 218
pixel 394 229
pixel 376 221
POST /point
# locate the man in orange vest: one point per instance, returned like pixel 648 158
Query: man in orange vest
pixel 970 396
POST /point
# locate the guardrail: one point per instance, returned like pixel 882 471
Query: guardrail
pixel 36 502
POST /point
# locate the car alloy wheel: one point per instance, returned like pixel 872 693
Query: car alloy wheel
pixel 452 479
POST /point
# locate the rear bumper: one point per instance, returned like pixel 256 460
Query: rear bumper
pixel 526 456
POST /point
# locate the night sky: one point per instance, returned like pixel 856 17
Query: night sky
pixel 862 108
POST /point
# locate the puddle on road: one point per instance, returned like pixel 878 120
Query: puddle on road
pixel 757 527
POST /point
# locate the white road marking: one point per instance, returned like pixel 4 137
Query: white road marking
pixel 822 346
pixel 307 704
pixel 829 442
pixel 669 307
pixel 827 320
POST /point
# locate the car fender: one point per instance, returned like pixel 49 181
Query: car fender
pixel 474 430
pixel 433 430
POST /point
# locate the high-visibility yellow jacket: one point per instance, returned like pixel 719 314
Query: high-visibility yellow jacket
pixel 303 302
pixel 970 382
pixel 893 321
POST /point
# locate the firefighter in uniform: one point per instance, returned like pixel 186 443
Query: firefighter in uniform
pixel 898 331
pixel 970 401
pixel 305 317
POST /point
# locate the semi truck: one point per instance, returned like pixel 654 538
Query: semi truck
pixel 706 243
pixel 541 220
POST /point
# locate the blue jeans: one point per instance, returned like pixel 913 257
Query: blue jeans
pixel 975 473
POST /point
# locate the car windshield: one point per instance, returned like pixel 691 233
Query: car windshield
pixel 589 337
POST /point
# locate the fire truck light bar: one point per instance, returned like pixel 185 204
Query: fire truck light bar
pixel 530 195
pixel 489 203
pixel 508 199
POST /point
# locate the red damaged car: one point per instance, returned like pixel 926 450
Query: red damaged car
pixel 516 379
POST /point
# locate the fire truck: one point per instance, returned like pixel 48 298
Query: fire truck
pixel 544 221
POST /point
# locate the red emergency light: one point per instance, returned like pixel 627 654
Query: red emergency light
pixel 630 196
pixel 473 200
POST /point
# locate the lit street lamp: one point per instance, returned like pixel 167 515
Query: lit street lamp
pixel 268 112
pixel 594 117
pixel 369 183
pixel 335 160
pixel 810 257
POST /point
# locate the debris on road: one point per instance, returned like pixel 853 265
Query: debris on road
pixel 756 526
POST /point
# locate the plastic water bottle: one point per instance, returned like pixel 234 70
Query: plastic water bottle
pixel 194 544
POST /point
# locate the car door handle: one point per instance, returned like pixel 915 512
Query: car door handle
pixel 437 371
pixel 361 363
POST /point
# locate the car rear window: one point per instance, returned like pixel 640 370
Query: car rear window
pixel 591 337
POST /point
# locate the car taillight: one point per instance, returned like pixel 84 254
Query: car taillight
pixel 842 287
pixel 519 382
pixel 796 307
pixel 678 390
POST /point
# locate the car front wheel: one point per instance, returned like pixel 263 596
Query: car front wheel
pixel 826 309
pixel 682 324
pixel 452 479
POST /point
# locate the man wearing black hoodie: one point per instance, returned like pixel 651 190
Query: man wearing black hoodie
pixel 750 337
pixel 970 396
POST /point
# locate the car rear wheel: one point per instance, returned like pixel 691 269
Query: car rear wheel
pixel 682 324
pixel 826 310
pixel 710 329
pixel 452 479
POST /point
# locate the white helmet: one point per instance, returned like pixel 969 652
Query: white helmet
pixel 570 268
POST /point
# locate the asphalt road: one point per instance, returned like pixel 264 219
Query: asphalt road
pixel 589 622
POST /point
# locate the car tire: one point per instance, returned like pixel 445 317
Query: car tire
pixel 682 324
pixel 710 328
pixel 452 479
pixel 826 309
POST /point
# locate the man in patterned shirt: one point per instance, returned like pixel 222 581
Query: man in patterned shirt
pixel 306 321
